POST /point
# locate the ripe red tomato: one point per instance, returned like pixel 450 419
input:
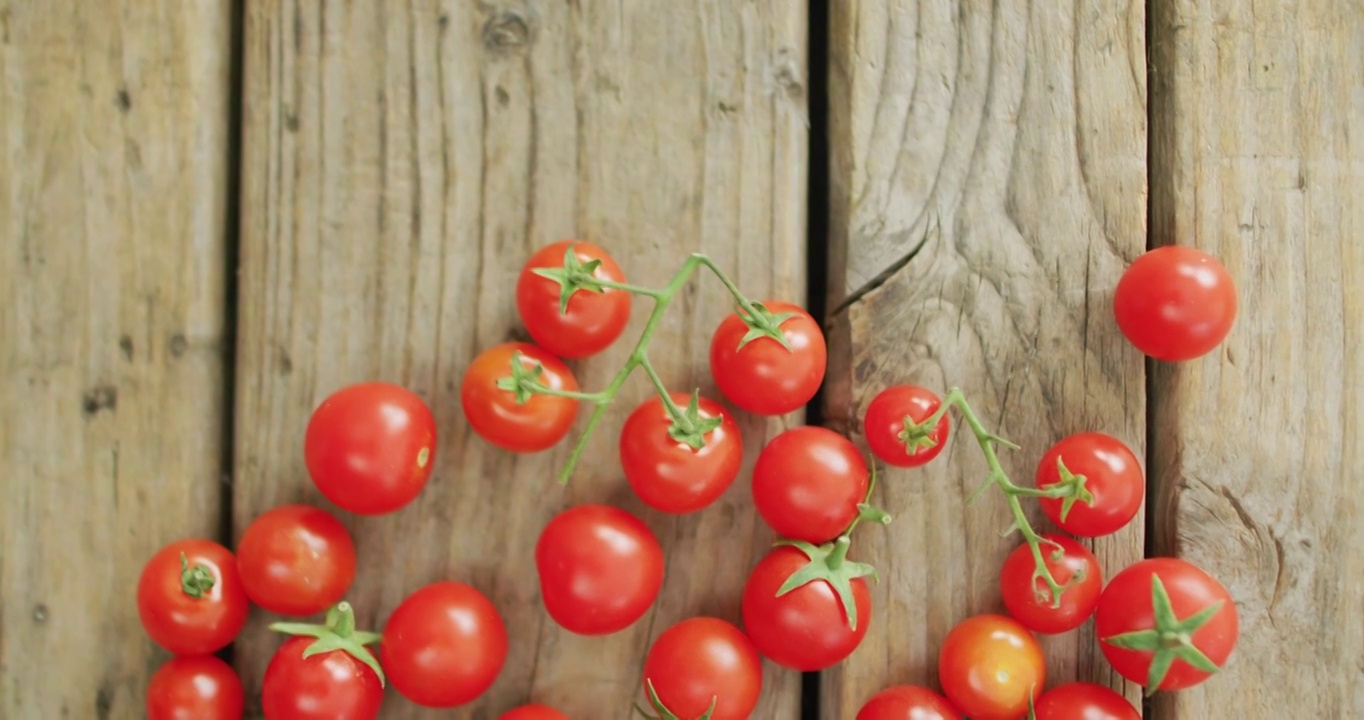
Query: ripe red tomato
pixel 332 685
pixel 190 597
pixel 600 569
pixel 763 377
pixel 1084 701
pixel 444 645
pixel 591 321
pixel 1113 477
pixel 533 712
pixel 885 420
pixel 908 702
pixel 1030 602
pixel 495 414
pixel 700 661
pixel 296 560
pixel 370 447
pixel 670 475
pixel 1169 610
pixel 1175 303
pixel 990 666
pixel 201 687
pixel 808 482
pixel 806 629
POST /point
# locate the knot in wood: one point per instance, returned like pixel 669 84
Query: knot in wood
pixel 506 32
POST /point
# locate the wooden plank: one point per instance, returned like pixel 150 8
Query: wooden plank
pixel 401 162
pixel 113 189
pixel 1257 157
pixel 988 175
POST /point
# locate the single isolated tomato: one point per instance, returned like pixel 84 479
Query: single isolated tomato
pixel 323 672
pixel 990 666
pixel 1175 303
pixel 680 469
pixel 908 702
pixel 701 665
pixel 527 424
pixel 533 711
pixel 600 569
pixel 808 627
pixel 1165 623
pixel 1105 477
pixel 190 597
pixel 444 645
pixel 296 560
pixel 200 687
pixel 564 313
pixel 757 372
pixel 1084 701
pixel 370 447
pixel 890 424
pixel 1030 601
pixel 808 482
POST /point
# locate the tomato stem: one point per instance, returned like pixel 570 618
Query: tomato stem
pixel 195 580
pixel 337 633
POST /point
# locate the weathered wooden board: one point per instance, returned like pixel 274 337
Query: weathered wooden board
pixel 401 160
pixel 113 189
pixel 988 188
pixel 1258 157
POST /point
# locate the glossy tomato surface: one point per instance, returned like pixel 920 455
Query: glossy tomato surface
pixel 806 629
pixel 1175 303
pixel 533 712
pixel 884 424
pixel 177 612
pixel 702 660
pixel 670 475
pixel 332 685
pixel 1030 601
pixel 296 560
pixel 200 687
pixel 1084 701
pixel 496 415
pixel 990 666
pixel 1113 476
pixel 908 702
pixel 808 482
pixel 600 569
pixel 444 645
pixel 764 377
pixel 591 322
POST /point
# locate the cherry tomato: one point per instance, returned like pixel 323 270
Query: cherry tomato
pixel 763 377
pixel 808 482
pixel 535 425
pixel 885 426
pixel 990 666
pixel 533 712
pixel 444 645
pixel 1175 303
pixel 1131 635
pixel 332 685
pixel 1084 701
pixel 670 475
pixel 600 569
pixel 1111 474
pixel 201 687
pixel 370 447
pixel 908 702
pixel 1030 602
pixel 704 660
pixel 806 629
pixel 592 320
pixel 190 597
pixel 296 560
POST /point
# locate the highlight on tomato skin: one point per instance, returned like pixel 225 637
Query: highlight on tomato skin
pixel 702 663
pixel 908 702
pixel 533 711
pixel 989 666
pixel 1175 303
pixel 1084 701
pixel 200 687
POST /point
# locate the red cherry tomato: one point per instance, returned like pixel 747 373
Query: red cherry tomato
pixel 332 685
pixel 370 447
pixel 600 569
pixel 533 712
pixel 190 597
pixel 700 661
pixel 1030 602
pixel 592 321
pixel 806 629
pixel 808 482
pixel 1175 303
pixel 1084 701
pixel 444 645
pixel 535 425
pixel 1130 636
pixel 763 377
pixel 1112 476
pixel 296 560
pixel 908 702
pixel 670 475
pixel 884 425
pixel 990 666
pixel 201 687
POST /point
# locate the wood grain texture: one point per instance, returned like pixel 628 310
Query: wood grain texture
pixel 113 187
pixel 1258 158
pixel 988 188
pixel 401 162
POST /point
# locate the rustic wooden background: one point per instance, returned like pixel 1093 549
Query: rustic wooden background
pixel 214 213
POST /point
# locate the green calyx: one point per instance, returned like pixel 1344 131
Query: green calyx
pixel 764 323
pixel 1171 639
pixel 829 562
pixel 663 713
pixel 689 426
pixel 195 580
pixel 337 633
pixel 918 436
pixel 524 381
pixel 575 275
pixel 1071 489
